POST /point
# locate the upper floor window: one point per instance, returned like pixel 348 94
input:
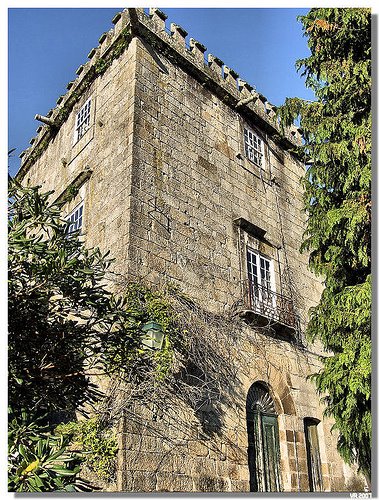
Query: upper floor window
pixel 253 147
pixel 261 294
pixel 75 219
pixel 83 120
pixel 260 262
pixel 260 276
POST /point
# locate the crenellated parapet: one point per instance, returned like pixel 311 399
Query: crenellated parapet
pixel 111 45
pixel 211 72
pixel 192 56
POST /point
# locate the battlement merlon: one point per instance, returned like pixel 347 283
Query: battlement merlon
pixel 212 73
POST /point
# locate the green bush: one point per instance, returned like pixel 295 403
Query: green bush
pixel 98 445
pixel 39 461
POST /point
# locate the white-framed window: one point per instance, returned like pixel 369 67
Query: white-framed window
pixel 83 119
pixel 75 219
pixel 254 147
pixel 261 280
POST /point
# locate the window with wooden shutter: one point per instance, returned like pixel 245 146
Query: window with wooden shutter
pixel 313 454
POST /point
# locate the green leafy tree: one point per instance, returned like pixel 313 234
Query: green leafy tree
pixel 337 149
pixel 64 325
pixel 63 322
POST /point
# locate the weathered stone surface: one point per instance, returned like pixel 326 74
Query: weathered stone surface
pixel 198 448
pixel 171 481
pixel 169 179
pixel 210 484
pixel 139 481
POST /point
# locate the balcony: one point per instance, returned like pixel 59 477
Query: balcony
pixel 268 308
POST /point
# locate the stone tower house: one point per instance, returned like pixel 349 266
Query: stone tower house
pixel 180 170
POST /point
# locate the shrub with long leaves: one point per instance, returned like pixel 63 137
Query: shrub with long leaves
pixel 64 325
pixel 39 461
pixel 63 321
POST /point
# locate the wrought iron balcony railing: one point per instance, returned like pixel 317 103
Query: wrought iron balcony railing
pixel 273 306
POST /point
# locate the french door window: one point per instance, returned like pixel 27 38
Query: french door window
pixel 261 282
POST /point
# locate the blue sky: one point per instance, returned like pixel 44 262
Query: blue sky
pixel 46 45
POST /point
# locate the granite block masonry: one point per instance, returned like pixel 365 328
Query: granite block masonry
pixel 183 173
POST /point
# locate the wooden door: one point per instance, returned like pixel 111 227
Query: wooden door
pixel 271 451
pixel 263 452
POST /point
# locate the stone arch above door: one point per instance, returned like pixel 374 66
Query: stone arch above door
pixel 278 384
pixel 259 395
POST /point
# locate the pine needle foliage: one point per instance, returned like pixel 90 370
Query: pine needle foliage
pixel 337 150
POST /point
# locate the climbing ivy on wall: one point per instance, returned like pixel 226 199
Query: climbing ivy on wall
pixel 97 443
pixel 141 304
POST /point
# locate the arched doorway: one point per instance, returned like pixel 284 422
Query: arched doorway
pixel 263 439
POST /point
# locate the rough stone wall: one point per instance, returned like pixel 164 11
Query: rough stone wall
pixel 102 158
pixel 163 176
pixel 173 448
pixel 190 182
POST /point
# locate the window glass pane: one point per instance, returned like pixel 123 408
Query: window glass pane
pixel 83 120
pixel 253 147
pixel 313 455
pixel 251 263
pixel 75 219
pixel 252 272
pixel 265 272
